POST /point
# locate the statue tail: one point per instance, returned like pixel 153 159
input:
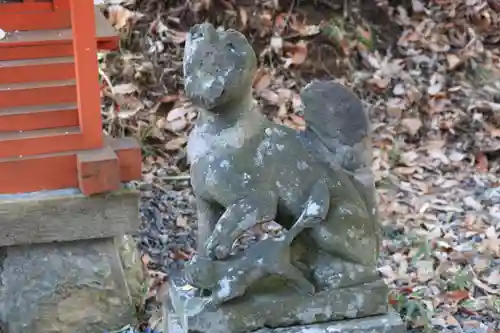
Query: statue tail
pixel 338 128
pixel 338 132
pixel 296 229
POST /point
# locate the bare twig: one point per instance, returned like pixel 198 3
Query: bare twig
pixel 175 178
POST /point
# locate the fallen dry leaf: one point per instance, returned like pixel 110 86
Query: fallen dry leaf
pixel 457 295
pixel 276 44
pixel 297 55
pixel 453 61
pixel 481 162
pixel 425 270
pixel 175 144
pixel 243 18
pixel 119 16
pixel 494 278
pixel 437 84
pixel 412 124
pixel 181 221
pixel 125 88
pixel 262 83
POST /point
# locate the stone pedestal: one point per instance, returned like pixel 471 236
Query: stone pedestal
pixel 386 323
pixel 66 264
pixel 362 308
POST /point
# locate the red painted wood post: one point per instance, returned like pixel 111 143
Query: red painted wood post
pixel 50 109
pixel 86 70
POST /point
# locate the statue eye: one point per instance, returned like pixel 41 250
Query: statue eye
pixel 231 47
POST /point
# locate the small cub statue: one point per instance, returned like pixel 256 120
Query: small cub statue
pixel 228 279
pixel 246 170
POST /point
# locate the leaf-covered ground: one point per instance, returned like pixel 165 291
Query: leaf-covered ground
pixel 429 73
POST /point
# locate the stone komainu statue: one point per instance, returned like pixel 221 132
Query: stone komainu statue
pixel 247 170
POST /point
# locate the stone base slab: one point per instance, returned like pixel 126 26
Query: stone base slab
pixel 274 310
pixel 386 323
pixel 66 215
pixel 68 287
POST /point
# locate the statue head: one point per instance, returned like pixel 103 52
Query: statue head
pixel 200 272
pixel 219 66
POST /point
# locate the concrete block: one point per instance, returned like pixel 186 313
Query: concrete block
pixel 66 215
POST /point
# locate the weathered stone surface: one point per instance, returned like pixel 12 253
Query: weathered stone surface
pixel 279 309
pixel 246 170
pixel 66 215
pixel 76 287
pixel 386 323
pixel 133 268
